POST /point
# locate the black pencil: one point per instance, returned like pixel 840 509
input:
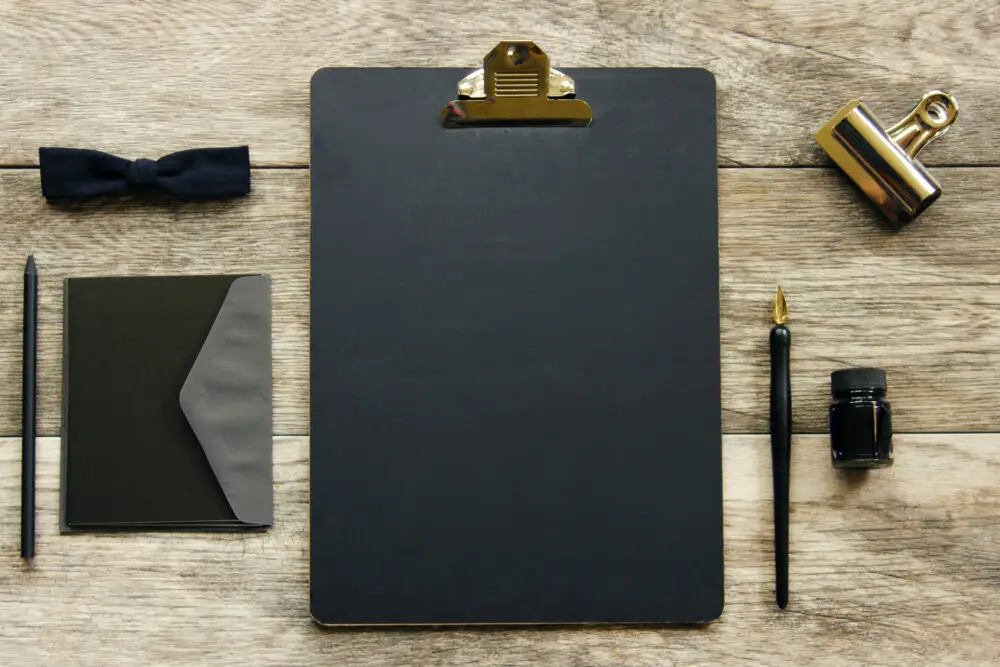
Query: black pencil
pixel 28 409
pixel 781 441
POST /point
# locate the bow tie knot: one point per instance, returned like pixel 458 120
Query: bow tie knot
pixel 196 173
pixel 142 172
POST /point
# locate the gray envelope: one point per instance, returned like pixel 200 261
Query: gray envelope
pixel 227 399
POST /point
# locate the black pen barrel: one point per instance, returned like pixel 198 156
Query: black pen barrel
pixel 28 410
pixel 781 437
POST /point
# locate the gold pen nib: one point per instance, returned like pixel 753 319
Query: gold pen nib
pixel 780 310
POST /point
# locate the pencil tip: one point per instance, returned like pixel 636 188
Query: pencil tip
pixel 780 308
pixel 29 266
pixel 782 603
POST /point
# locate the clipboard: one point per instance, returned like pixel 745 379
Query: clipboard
pixel 515 348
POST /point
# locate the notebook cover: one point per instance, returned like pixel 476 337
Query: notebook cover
pixel 146 359
pixel 515 375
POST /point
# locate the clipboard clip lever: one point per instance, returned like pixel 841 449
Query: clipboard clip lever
pixel 516 86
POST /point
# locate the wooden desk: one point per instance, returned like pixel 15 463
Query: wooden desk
pixel 899 567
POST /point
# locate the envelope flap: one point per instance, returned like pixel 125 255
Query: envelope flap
pixel 227 399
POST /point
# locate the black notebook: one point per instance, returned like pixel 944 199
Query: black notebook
pixel 515 375
pixel 167 403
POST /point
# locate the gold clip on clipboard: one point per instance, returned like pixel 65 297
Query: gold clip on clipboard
pixel 516 85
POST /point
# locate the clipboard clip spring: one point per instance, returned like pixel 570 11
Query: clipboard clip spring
pixel 516 86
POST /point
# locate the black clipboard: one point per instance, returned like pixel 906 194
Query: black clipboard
pixel 515 367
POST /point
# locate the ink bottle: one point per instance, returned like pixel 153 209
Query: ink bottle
pixel 860 419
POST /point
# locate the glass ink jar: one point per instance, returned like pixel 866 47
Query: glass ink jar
pixel 860 419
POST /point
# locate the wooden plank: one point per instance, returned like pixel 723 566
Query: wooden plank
pixel 141 79
pixel 897 567
pixel 923 303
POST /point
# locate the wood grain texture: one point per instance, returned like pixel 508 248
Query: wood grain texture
pixel 924 303
pixel 266 232
pixel 145 78
pixel 898 567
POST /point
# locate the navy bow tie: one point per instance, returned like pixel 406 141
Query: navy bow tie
pixel 197 173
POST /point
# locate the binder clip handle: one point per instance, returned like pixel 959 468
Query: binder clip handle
pixel 931 118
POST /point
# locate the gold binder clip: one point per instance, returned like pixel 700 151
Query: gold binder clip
pixel 516 86
pixel 884 162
